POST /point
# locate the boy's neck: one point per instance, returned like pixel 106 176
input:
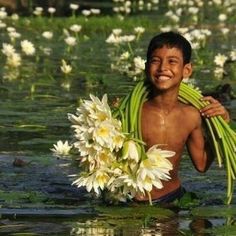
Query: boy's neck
pixel 165 101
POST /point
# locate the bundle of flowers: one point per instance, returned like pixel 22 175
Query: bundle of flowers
pixel 112 155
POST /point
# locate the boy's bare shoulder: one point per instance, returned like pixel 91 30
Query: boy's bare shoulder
pixel 190 111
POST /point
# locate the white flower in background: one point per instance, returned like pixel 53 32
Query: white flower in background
pixel 14 35
pixel 71 41
pixel 61 149
pixel 220 59
pixel 38 11
pixel 225 31
pixel 139 64
pixel 2 25
pixel 11 29
pixel 127 38
pixel 139 30
pixel 66 68
pixel 113 39
pixel 233 55
pixel 219 72
pixel 27 47
pixel 193 10
pixel 3 15
pixel 74 6
pixel 51 10
pixel 15 17
pixel 75 28
pixel 125 56
pixel 117 31
pixel 47 34
pixel 86 12
pixel 14 60
pixel 8 49
pixel 222 17
pixel 183 30
pixel 95 11
pixel 166 28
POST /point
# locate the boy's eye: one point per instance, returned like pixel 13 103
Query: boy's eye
pixel 173 61
pixel 155 61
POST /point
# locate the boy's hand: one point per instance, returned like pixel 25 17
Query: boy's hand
pixel 215 108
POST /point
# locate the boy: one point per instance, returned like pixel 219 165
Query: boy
pixel 167 121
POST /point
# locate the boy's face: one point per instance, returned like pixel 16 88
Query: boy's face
pixel 166 68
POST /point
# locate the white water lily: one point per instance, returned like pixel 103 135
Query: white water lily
pixel 86 12
pixel 139 64
pixel 222 17
pixel 8 49
pixel 95 11
pixel 3 14
pixel 38 11
pixel 75 28
pixel 27 47
pixel 131 151
pixel 95 181
pixel 71 41
pixel 220 59
pixel 14 35
pixel 51 10
pixel 139 30
pixel 15 16
pixel 66 68
pixel 14 60
pixel 117 31
pixel 61 149
pixel 154 169
pixel 47 34
pixel 74 6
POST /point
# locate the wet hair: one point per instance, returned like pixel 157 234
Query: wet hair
pixel 170 39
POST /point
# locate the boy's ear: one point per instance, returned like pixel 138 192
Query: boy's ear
pixel 188 69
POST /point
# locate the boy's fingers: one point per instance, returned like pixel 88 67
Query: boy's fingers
pixel 209 99
pixel 214 108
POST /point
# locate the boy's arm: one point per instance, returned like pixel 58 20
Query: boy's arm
pixel 198 144
pixel 199 147
pixel 214 108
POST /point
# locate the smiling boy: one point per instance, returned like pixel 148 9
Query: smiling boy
pixel 167 121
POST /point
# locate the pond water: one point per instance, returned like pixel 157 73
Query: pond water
pixel 36 196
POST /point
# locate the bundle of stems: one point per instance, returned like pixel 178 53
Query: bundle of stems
pixel 222 136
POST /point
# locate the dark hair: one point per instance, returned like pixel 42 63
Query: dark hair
pixel 170 39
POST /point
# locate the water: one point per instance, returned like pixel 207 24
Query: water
pixel 35 100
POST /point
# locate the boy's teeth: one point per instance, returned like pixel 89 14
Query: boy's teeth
pixel 163 77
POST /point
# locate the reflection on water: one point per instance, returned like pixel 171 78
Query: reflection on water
pixel 98 227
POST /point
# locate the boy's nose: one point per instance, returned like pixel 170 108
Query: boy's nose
pixel 163 66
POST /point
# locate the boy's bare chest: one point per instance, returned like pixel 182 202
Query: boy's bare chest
pixel 169 129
